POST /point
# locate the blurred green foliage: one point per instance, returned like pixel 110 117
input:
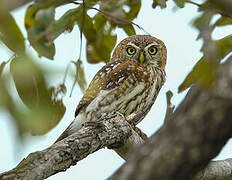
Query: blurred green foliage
pixel 43 106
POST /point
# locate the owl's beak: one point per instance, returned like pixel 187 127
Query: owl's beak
pixel 141 58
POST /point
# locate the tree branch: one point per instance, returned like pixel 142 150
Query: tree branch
pixel 218 170
pixel 194 134
pixel 110 130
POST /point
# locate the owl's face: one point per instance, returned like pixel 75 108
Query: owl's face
pixel 144 49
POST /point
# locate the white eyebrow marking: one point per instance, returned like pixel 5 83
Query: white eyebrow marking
pixel 152 44
pixel 131 44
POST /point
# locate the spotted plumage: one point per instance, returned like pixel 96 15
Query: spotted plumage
pixel 129 83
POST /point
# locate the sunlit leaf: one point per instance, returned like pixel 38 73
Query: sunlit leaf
pixel 204 73
pixel 10 34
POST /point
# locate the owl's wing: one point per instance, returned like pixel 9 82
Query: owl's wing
pixel 111 76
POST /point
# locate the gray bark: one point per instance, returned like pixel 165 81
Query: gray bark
pixel 216 170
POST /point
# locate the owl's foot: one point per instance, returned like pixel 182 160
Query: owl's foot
pixel 140 133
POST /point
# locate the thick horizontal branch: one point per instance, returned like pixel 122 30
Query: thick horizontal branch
pixel 217 170
pixel 193 135
pixel 111 130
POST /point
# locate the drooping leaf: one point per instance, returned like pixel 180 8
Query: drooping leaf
pixel 222 21
pixel 11 34
pixel 45 111
pixel 180 3
pixel 80 75
pixel 161 3
pixel 29 81
pixel 204 73
pixel 129 30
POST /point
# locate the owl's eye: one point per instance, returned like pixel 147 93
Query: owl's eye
pixel 131 50
pixel 152 50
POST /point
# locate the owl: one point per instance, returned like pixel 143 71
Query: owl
pixel 128 84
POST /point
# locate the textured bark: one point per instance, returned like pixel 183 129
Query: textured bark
pixel 216 170
pixel 193 135
pixel 110 131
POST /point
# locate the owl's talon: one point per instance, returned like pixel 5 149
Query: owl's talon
pixel 140 133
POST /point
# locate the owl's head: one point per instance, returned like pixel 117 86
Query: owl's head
pixel 144 49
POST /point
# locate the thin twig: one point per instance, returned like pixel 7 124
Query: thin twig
pixel 194 3
pixel 114 17
pixel 81 38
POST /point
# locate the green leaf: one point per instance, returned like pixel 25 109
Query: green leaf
pixel 89 30
pixel 224 46
pixel 204 73
pixel 95 51
pixel 10 34
pixel 45 110
pixel 43 29
pixel 135 6
pixel 129 30
pixel 36 29
pixel 29 81
pixel 223 21
pixel 180 3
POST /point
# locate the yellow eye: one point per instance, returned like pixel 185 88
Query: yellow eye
pixel 152 50
pixel 131 50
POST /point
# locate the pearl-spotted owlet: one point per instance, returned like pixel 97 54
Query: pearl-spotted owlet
pixel 128 84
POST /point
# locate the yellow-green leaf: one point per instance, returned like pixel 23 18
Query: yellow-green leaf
pixel 204 73
pixel 222 21
pixel 44 110
pixel 10 34
pixel 224 46
pixel 129 30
